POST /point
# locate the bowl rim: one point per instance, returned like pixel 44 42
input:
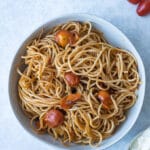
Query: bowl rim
pixel 96 18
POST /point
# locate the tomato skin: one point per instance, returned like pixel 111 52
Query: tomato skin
pixel 134 1
pixel 53 118
pixel 68 101
pixel 105 99
pixel 72 79
pixel 143 8
pixel 64 37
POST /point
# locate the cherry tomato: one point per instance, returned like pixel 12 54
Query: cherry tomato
pixel 143 7
pixel 105 99
pixel 68 101
pixel 72 79
pixel 64 37
pixel 53 118
pixel 134 1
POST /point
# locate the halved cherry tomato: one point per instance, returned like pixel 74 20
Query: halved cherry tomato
pixel 134 1
pixel 64 37
pixel 53 118
pixel 105 99
pixel 72 79
pixel 143 7
pixel 69 100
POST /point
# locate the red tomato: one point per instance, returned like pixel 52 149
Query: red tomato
pixel 143 7
pixel 53 118
pixel 64 37
pixel 68 101
pixel 134 1
pixel 105 99
pixel 72 79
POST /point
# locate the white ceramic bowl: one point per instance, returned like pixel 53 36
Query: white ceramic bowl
pixel 116 38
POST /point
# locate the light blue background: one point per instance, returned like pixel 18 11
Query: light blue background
pixel 19 18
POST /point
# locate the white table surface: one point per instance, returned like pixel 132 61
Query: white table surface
pixel 18 18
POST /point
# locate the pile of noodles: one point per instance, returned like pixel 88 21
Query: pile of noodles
pixel 100 66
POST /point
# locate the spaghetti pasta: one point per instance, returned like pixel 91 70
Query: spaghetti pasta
pixel 99 66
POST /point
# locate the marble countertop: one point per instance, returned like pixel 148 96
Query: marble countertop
pixel 17 21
